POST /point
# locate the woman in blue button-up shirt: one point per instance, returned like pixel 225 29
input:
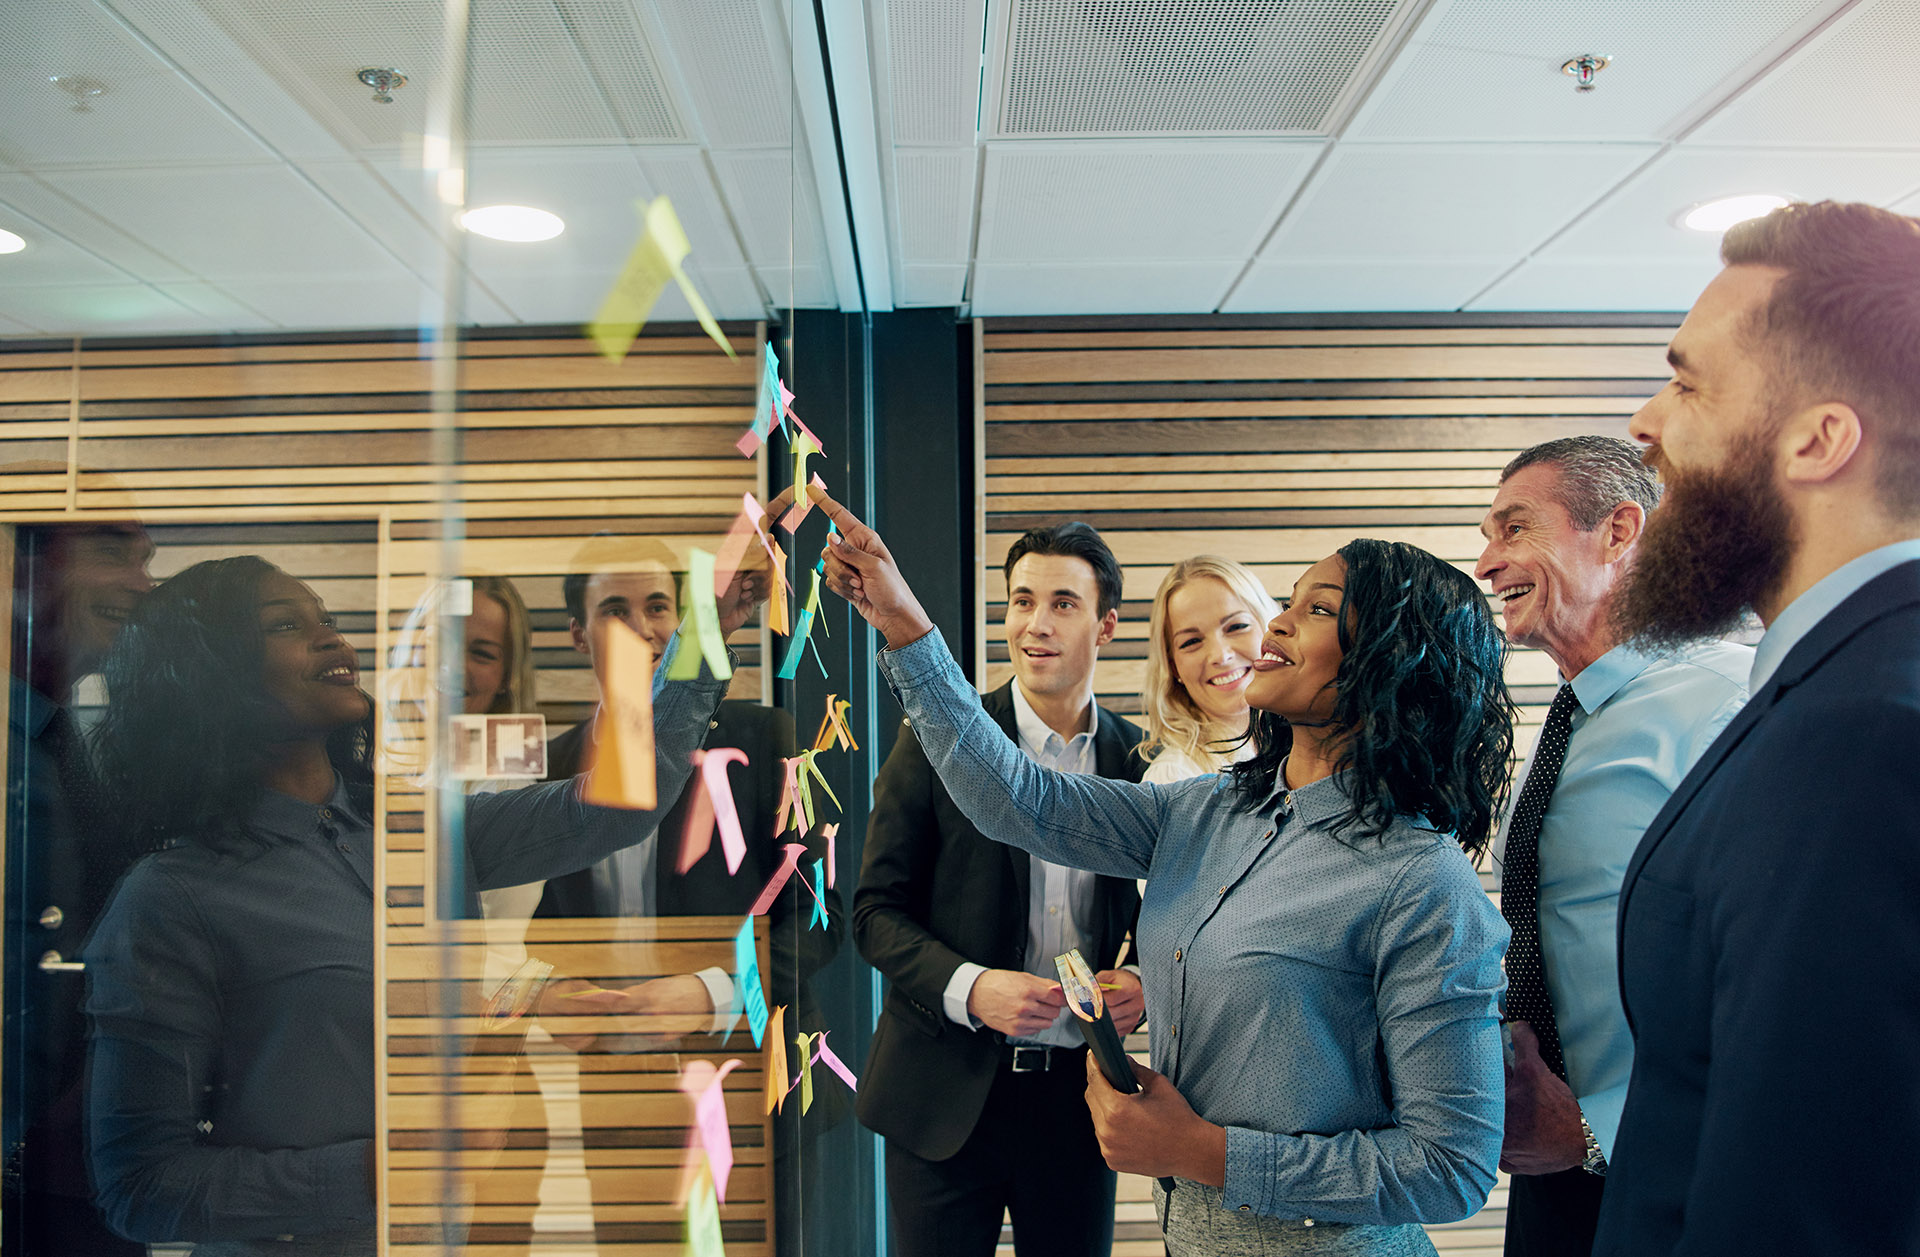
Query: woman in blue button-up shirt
pixel 1321 966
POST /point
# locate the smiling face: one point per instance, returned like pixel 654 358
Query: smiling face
pixel 488 655
pixel 1301 653
pixel 86 584
pixel 1054 627
pixel 1553 581
pixel 645 601
pixel 305 665
pixel 1212 642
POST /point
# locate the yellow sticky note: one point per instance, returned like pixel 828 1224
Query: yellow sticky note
pixel 620 767
pixel 805 1043
pixel 776 1065
pixel 703 1219
pixel 655 260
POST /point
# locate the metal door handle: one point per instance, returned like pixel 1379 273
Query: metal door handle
pixel 53 962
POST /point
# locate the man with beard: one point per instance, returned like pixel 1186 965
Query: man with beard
pixel 1624 728
pixel 1769 936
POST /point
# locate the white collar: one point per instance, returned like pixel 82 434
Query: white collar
pixel 1035 731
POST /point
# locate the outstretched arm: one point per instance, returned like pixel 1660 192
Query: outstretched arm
pixel 1083 821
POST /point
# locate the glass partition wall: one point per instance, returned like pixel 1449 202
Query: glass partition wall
pixel 372 885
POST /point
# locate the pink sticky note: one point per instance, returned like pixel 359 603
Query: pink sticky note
pixel 792 799
pixel 748 443
pixel 830 831
pixel 793 851
pixel 825 1056
pixel 713 808
pixel 803 503
pixel 702 1081
pixel 734 548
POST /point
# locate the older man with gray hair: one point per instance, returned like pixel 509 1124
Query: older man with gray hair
pixel 1623 730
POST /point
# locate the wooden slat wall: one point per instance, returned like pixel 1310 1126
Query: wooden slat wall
pixel 317 452
pixel 1273 442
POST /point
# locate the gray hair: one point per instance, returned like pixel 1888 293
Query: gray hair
pixel 1597 473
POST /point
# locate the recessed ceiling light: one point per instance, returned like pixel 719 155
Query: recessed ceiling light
pixel 520 224
pixel 10 243
pixel 1718 215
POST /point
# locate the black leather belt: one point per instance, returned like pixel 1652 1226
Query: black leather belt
pixel 1033 1058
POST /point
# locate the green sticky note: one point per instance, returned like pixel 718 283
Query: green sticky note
pixel 702 625
pixel 703 1220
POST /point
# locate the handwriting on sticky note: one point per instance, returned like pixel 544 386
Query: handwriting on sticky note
pixel 826 1057
pixel 655 261
pixel 789 861
pixel 746 967
pixel 620 767
pixel 712 808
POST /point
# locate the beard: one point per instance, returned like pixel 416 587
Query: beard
pixel 1717 546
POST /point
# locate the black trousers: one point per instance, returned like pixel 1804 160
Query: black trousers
pixel 1553 1215
pixel 1033 1154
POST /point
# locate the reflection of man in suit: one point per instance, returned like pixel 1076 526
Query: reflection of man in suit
pixel 75 585
pixel 1769 927
pixel 644 881
pixel 977 1073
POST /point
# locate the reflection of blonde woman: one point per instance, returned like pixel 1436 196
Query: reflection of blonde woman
pixel 499 654
pixel 1207 620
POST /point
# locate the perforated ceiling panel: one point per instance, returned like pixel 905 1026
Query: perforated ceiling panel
pixel 735 64
pixel 1854 87
pixel 544 71
pixel 933 64
pixel 1115 67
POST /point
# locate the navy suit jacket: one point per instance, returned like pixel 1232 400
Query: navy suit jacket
pixel 1770 965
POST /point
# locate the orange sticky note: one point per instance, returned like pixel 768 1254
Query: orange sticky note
pixel 776 1041
pixel 620 767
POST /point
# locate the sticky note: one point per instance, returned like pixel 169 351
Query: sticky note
pixel 713 808
pixel 703 1220
pixel 797 644
pixel 776 1063
pixel 701 626
pixel 804 1043
pixel 701 1081
pixel 655 260
pixel 819 905
pixel 829 832
pixel 746 965
pixel 771 402
pixel 620 765
pixel 833 726
pixel 804 445
pixel 796 797
pixel 825 1056
pixel 789 861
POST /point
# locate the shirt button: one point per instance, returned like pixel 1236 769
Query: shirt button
pixel 1306 1222
pixel 1174 1031
pixel 326 813
pixel 1176 953
pixel 1223 890
pixel 52 917
pixel 1246 1208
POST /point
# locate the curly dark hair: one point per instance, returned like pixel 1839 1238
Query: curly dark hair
pixel 1421 688
pixel 184 747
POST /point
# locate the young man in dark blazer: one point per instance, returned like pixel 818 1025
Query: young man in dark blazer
pixel 976 1073
pixel 1770 919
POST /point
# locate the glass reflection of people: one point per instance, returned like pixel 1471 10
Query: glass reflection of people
pixel 1322 965
pixel 1205 632
pixel 231 1100
pixel 644 880
pixel 75 586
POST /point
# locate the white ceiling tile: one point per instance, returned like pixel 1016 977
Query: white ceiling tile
pixel 1589 284
pixel 1102 202
pixel 784 234
pixel 49 258
pixel 324 303
pixel 572 297
pixel 231 221
pixel 1852 86
pixel 932 67
pixel 39 200
pixel 218 306
pixel 13 327
pixel 734 60
pixel 99 310
pixel 931 285
pixel 800 287
pixel 146 113
pixel 933 197
pixel 1001 288
pixel 1910 205
pixel 1357 284
pixel 1490 69
pixel 1436 202
pixel 1639 220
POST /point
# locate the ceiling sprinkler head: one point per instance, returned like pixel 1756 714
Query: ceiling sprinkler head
pixel 80 87
pixel 383 82
pixel 1583 69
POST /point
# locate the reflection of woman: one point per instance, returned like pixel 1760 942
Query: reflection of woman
pixel 1205 635
pixel 1322 966
pixel 232 996
pixel 499 650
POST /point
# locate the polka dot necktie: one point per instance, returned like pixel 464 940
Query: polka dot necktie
pixel 1527 997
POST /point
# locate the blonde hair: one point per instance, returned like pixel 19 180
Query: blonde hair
pixel 517 694
pixel 1173 720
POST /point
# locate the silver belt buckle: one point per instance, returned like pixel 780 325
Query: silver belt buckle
pixel 1028 1059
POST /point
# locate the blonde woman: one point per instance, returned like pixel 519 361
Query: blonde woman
pixel 1207 620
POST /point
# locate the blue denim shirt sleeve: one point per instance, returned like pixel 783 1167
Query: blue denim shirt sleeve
pixel 528 835
pixel 1438 945
pixel 1083 822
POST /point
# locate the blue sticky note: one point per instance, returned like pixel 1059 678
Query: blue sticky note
pixel 797 646
pixel 746 964
pixel 819 904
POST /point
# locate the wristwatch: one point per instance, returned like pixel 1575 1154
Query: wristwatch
pixel 1596 1161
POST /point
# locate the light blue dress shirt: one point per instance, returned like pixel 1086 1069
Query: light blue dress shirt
pixel 1820 599
pixel 1640 724
pixel 1331 1000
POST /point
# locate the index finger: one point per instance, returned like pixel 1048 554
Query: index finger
pixel 779 505
pixel 843 519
